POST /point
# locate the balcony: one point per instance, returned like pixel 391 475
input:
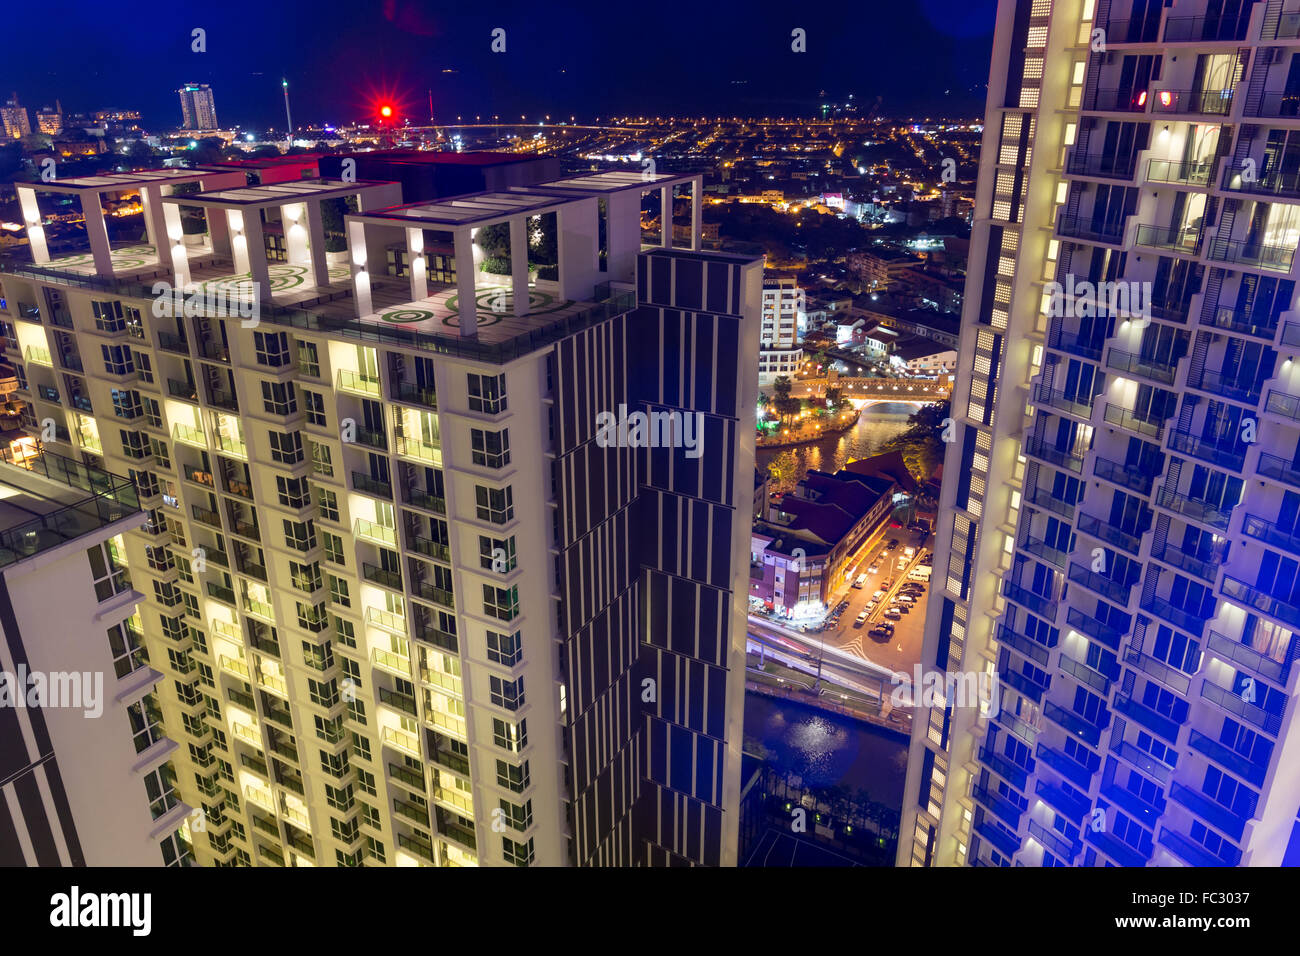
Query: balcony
pixel 1171 677
pixel 1192 102
pixel 1007 844
pixel 1275 607
pixel 1180 240
pixel 1150 368
pixel 1148 814
pixel 1179 617
pixel 1126 476
pixel 1108 588
pixel 1100 165
pixel 206 516
pixel 1189 444
pixel 438 638
pixel 386 621
pixel 1090 230
pixel 1271 184
pixel 1207 568
pixel 1116 101
pixel 1074 724
pixel 1022 683
pixel 358 383
pixel 439 596
pixel 1000 806
pixel 1105 531
pixel 1253 714
pixel 1155 769
pixel 421 848
pixel 1219 384
pixel 1016 774
pixel 371 438
pixel 1243 321
pixel 1271 466
pixel 1039 448
pixel 1275 258
pixel 1246 656
pixel 1206 512
pixel 1054 842
pixel 1023 645
pixel 1195 853
pixel 372 486
pixel 1127 420
pixel 1271 533
pixel 1214 813
pixel 1043 395
pixel 1044 607
pixel 1159 724
pixel 1074 344
pixel 412 394
pixel 1041 549
pixel 430 548
pixel 1115 848
pixel 403 702
pixel 1108 635
pixel 1280 105
pixel 422 499
pixel 1237 763
pixel 170 342
pixel 420 450
pixel 1061 800
pixel 1179 174
pixel 1283 405
pixel 1084 674
pixel 1059 506
pixel 183 390
pixel 389 579
pixel 377 533
pixel 1223 29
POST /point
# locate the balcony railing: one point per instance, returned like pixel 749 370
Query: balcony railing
pixel 1283 405
pixel 1083 729
pixel 1110 636
pixel 1152 368
pixel 1074 344
pixel 1206 512
pixel 1260 255
pixel 1261 529
pixel 1246 321
pixel 1116 101
pixel 1246 656
pixel 1043 395
pixel 1180 240
pixel 1197 447
pixel 1197 102
pixel 1128 476
pixel 1035 602
pixel 1183 174
pixel 1276 607
pixel 1272 183
pixel 1271 466
pixel 1238 763
pixel 1108 588
pixel 1213 28
pixel 1038 448
pixel 1160 724
pixel 1090 230
pixel 371 486
pixel 1177 616
pixel 1233 703
pixel 1100 165
pixel 1207 568
pixel 1230 388
pixel 1105 531
pixel 1281 105
pixel 1196 853
pixel 1217 814
pixel 415 394
pixel 1126 419
pixel 1170 676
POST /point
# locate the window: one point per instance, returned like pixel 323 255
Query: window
pixel 339 592
pixel 496 554
pixel 508 736
pixel 144 365
pixel 345 631
pixel 494 504
pixel 501 603
pixel 361 747
pixel 507 693
pixel 333 548
pixel 321 462
pixel 490 449
pixel 128 654
pixel 315 404
pixel 286 447
pixel 126 404
pixel 272 348
pixel 305 577
pixel 108 570
pixel 159 451
pixel 329 504
pixel 294 492
pixel 323 693
pixel 108 316
pixel 512 777
pixel 504 648
pixel 520 854
pixel 117 359
pixel 521 818
pixel 278 398
pixel 339 798
pixel 160 785
pixel 487 393
pixel 300 535
pixel 308 360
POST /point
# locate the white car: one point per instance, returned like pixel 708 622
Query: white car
pixel 860 619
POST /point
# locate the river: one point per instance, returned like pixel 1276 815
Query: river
pixel 875 426
pixel 826 749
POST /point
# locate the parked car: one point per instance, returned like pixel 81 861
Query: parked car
pixel 881 632
pixel 894 614
pixel 860 619
pixel 893 543
pixel 905 599
pixel 875 568
pixel 878 595
pixel 861 581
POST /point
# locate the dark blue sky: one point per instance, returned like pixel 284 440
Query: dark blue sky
pixel 617 56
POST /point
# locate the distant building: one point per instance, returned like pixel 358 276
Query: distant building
pixel 17 124
pixel 884 266
pixel 942 292
pixel 50 120
pixel 198 112
pixel 779 350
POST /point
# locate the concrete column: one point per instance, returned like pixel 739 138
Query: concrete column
pixel 622 234
pixel 360 277
pixel 418 266
pixel 519 264
pixel 238 240
pixel 256 252
pixel 320 267
pixel 578 231
pixel 465 266
pixel 172 251
pixel 666 215
pixel 293 220
pixel 697 213
pixel 32 220
pixel 155 222
pixel 97 233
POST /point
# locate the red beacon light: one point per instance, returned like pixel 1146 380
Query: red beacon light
pixel 385 111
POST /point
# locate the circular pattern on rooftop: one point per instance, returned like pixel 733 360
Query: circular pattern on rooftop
pixel 408 315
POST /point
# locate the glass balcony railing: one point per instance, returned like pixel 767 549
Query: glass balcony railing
pixel 1105 531
pixel 1079 774
pixel 1205 567
pixel 1195 102
pixel 1234 704
pixel 1159 370
pixel 1226 28
pixel 1127 420
pixel 1277 607
pixel 1179 617
pixel 1222 818
pixel 1214 514
pixel 1085 730
pixel 1271 466
pixel 1282 405
pixel 1044 395
pixel 371 486
pixel 1205 450
pixel 1110 636
pixel 1276 258
pixel 1281 105
pixel 1225 756
pixel 1270 532
pixel 1181 240
pixel 1038 448
pixel 1229 387
pixel 1249 658
pixel 1160 724
pixel 1196 853
pixel 1128 476
pixel 1035 602
pixel 1100 165
pixel 1090 229
pixel 1183 174
pixel 1259 325
pixel 1108 588
pixel 1116 101
pixel 1074 344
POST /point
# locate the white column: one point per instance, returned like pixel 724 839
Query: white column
pixel 32 220
pixel 465 301
pixel 622 234
pixel 519 264
pixel 155 222
pixel 360 277
pixel 293 218
pixel 172 251
pixel 417 264
pixel 320 266
pixel 238 241
pixel 697 213
pixel 218 230
pixel 257 266
pixel 578 235
pixel 97 233
pixel 666 215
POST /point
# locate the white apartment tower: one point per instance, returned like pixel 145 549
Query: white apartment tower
pixel 411 606
pixel 1121 515
pixel 198 112
pixel 784 320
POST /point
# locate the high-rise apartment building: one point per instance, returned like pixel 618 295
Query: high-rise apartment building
pixel 85 777
pixel 784 319
pixel 50 120
pixel 197 109
pixel 17 123
pixel 1118 540
pixel 439 572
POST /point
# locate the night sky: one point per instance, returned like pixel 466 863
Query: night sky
pixel 343 56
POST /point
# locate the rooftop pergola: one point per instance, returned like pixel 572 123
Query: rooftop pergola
pixel 239 210
pixel 622 192
pixel 152 185
pixel 577 231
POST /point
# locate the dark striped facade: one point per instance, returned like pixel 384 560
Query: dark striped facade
pixel 651 543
